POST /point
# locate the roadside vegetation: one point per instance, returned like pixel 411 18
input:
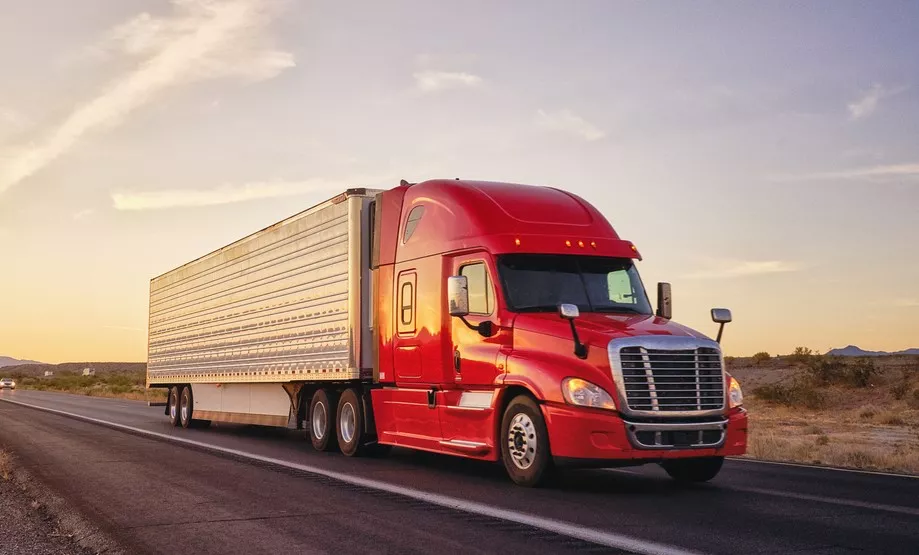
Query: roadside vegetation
pixel 112 380
pixel 838 411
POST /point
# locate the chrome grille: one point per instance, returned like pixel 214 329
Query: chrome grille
pixel 671 380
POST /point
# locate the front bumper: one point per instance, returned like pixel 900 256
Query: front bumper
pixel 591 436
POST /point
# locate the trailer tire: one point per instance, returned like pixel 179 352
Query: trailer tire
pixel 700 469
pixel 350 427
pixel 186 407
pixel 172 406
pixel 322 419
pixel 525 443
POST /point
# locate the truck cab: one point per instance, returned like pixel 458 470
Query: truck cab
pixel 510 323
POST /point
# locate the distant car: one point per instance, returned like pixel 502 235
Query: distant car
pixel 7 383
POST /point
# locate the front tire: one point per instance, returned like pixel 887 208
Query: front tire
pixel 693 470
pixel 525 443
pixel 322 420
pixel 172 406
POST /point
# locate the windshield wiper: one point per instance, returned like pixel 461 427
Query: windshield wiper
pixel 536 308
pixel 627 309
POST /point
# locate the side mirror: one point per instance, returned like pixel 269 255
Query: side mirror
pixel 458 296
pixel 664 301
pixel 569 311
pixel 721 316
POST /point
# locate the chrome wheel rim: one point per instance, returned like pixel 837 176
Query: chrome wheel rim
pixel 348 422
pixel 319 420
pixel 522 442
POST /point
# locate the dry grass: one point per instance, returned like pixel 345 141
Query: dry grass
pixel 875 427
pixel 124 384
pixel 6 465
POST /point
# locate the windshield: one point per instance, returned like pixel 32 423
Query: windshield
pixel 541 282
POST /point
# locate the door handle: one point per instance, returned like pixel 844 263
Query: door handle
pixel 456 360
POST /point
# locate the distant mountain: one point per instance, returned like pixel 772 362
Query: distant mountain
pixel 853 351
pixel 10 361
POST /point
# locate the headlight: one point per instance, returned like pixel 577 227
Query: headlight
pixel 735 395
pixel 585 394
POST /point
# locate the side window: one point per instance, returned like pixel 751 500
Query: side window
pixel 405 304
pixel 620 287
pixel 412 222
pixel 481 294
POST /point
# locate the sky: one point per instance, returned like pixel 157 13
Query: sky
pixel 764 157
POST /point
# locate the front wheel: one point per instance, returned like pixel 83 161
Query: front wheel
pixel 525 443
pixel 693 470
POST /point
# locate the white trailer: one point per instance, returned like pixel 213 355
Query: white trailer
pixel 246 333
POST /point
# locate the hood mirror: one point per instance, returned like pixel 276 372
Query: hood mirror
pixel 664 301
pixel 570 312
pixel 721 316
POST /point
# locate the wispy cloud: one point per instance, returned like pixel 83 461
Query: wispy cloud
pixel 435 81
pixel 728 269
pixel 569 123
pixel 891 171
pixel 83 214
pixel 199 40
pixel 228 194
pixel 868 101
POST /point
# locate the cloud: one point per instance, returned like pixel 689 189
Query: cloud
pixel 199 40
pixel 435 81
pixel 228 194
pixel 83 214
pixel 567 122
pixel 890 171
pixel 744 268
pixel 867 103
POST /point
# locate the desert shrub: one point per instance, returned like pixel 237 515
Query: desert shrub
pixel 861 372
pixel 901 388
pixel 729 360
pixel 761 357
pixel 801 355
pixel 823 439
pixel 825 370
pixel 890 418
pixel 913 400
pixel 867 413
pixel 800 393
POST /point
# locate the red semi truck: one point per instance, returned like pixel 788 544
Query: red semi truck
pixel 485 320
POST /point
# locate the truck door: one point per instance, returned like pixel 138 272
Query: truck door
pixel 475 356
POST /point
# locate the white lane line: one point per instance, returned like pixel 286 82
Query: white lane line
pixel 592 535
pixel 818 467
pixel 832 500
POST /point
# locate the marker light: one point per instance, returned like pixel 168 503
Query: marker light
pixel 567 243
pixel 581 244
pixel 517 242
pixel 593 244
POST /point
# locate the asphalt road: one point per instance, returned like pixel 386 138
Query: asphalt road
pixel 266 490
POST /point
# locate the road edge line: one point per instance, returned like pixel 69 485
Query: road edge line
pixel 584 533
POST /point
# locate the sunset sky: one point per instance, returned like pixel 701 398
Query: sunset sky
pixel 763 156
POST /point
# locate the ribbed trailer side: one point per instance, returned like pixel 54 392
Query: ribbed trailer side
pixel 281 305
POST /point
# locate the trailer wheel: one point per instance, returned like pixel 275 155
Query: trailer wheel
pixel 525 443
pixel 350 423
pixel 172 406
pixel 186 407
pixel 322 419
pixel 700 469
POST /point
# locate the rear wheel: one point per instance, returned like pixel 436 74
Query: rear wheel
pixel 693 470
pixel 350 423
pixel 172 406
pixel 186 407
pixel 322 419
pixel 525 443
